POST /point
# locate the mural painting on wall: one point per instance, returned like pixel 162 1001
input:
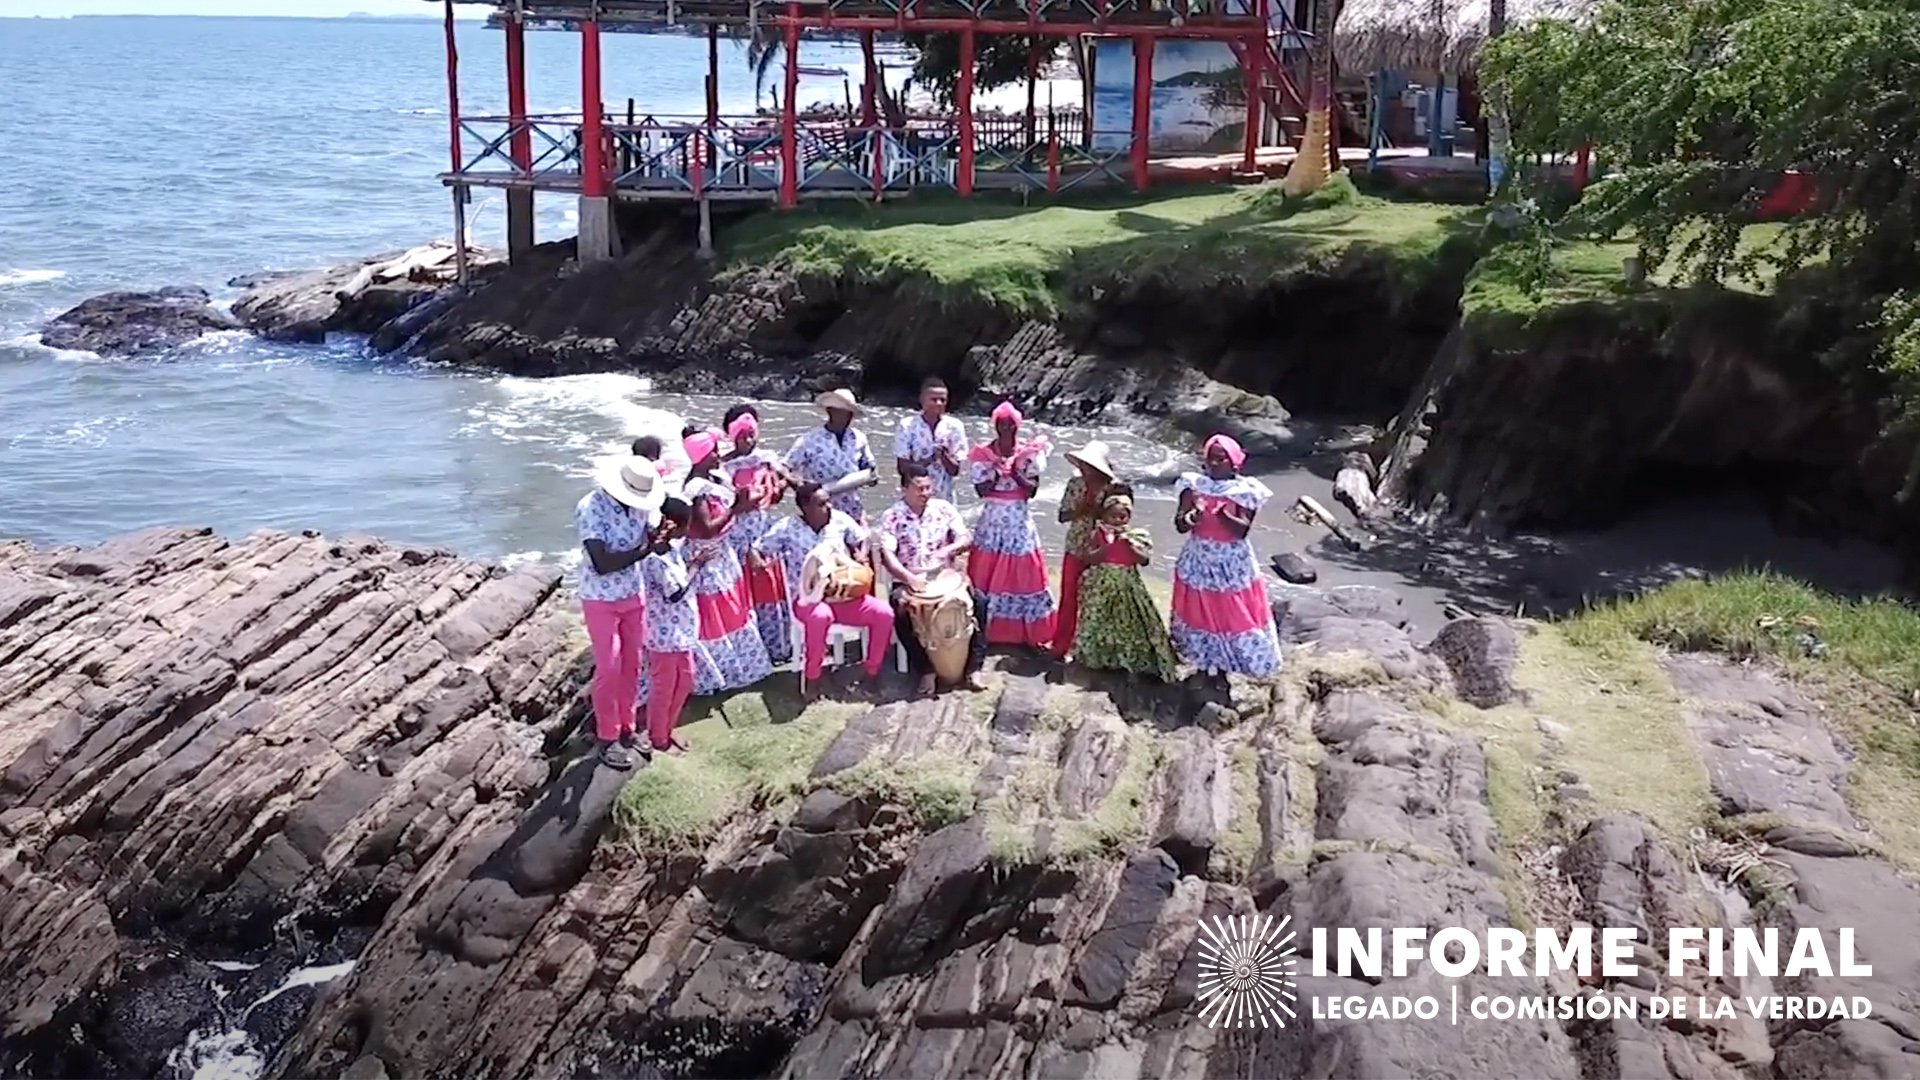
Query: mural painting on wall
pixel 1198 104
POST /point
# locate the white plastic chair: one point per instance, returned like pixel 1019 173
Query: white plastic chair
pixel 837 638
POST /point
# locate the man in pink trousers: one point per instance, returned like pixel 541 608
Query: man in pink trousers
pixel 791 540
pixel 616 522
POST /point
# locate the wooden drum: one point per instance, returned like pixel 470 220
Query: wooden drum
pixel 834 576
pixel 942 616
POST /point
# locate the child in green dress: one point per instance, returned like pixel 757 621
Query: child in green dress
pixel 1120 628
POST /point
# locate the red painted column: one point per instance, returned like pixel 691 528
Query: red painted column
pixel 521 143
pixel 1582 162
pixel 1256 77
pixel 453 91
pixel 789 110
pixel 963 178
pixel 593 133
pixel 1142 106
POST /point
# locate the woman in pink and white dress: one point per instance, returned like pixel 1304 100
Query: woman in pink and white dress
pixel 1006 563
pixel 731 654
pixel 1222 621
pixel 757 472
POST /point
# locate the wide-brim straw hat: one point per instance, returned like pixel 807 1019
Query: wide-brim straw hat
pixel 633 481
pixel 839 399
pixel 1094 456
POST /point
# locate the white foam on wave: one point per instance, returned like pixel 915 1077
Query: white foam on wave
pixel 593 417
pixel 29 341
pixel 93 433
pixel 29 277
pixel 231 1053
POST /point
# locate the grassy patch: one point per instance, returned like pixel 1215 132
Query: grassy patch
pixel 1586 273
pixel 1014 816
pixel 1239 844
pixel 745 750
pixel 937 789
pixel 1027 803
pixel 1861 658
pixel 1764 614
pixel 1121 817
pixel 1605 699
pixel 1041 260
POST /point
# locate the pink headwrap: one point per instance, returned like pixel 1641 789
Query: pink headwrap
pixel 701 445
pixel 742 426
pixel 1006 411
pixel 1226 445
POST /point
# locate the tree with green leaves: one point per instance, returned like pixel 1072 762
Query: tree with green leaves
pixel 1698 108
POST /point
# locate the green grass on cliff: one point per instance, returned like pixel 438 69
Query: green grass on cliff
pixel 1504 287
pixel 1043 259
pixel 745 749
pixel 1766 615
pixel 1865 669
pixel 756 749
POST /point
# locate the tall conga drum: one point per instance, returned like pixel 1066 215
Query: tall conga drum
pixel 942 615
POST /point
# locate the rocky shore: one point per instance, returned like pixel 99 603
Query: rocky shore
pixel 1629 400
pixel 289 748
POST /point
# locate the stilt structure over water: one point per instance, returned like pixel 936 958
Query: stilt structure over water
pixel 785 158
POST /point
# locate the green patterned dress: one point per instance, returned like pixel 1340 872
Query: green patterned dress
pixel 1120 628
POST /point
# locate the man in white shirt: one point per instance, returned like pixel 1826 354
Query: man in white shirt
pixel 932 438
pixel 832 453
pixel 919 536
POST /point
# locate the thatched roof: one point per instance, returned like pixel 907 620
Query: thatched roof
pixel 1422 36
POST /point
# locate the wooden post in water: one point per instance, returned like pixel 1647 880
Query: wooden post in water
pixel 520 216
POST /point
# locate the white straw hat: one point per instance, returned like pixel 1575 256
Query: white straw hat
pixel 1094 456
pixel 632 481
pixel 838 399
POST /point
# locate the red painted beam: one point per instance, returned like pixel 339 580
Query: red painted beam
pixel 1253 61
pixel 1142 107
pixel 521 142
pixel 1239 29
pixel 963 102
pixel 789 107
pixel 453 91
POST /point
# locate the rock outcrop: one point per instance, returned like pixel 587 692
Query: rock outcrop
pixel 136 323
pixel 1622 407
pixel 358 297
pixel 1191 360
pixel 241 746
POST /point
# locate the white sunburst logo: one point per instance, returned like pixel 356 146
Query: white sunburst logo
pixel 1246 971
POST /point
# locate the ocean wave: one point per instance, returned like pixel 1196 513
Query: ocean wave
pixel 29 277
pixel 29 341
pixel 92 433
